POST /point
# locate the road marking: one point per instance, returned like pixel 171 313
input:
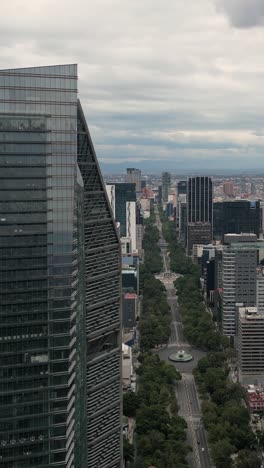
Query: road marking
pixel 195 445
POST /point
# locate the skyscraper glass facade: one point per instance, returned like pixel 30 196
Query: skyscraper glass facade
pixel 44 259
pixel 102 305
pixel 200 199
pixel 236 216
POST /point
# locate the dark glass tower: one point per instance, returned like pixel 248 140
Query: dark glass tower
pixel 199 211
pixel 103 314
pixel 59 338
pixel 182 187
pixel 200 199
pixel 235 217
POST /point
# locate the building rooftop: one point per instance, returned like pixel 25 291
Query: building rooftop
pixel 255 397
pixel 249 313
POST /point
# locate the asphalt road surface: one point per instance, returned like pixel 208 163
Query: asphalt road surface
pixel 186 391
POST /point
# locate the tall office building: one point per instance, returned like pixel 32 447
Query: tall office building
pixel 239 277
pixel 228 188
pixel 134 177
pixel 236 216
pixel 200 211
pixel 198 234
pixel 253 189
pixel 166 185
pixel 200 199
pixel 125 194
pixel 260 292
pixel 182 187
pixel 250 346
pixel 182 219
pixel 60 354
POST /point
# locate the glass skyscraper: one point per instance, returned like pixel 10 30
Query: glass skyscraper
pixel 236 216
pixel 60 394
pixel 199 211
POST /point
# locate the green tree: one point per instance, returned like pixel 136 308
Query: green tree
pixel 128 451
pixel 130 404
pixel 247 459
pixel 214 379
pixel 221 451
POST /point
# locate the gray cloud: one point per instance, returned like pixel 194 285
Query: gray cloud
pixel 243 13
pixel 162 82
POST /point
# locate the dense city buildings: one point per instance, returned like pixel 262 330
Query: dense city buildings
pixel 239 277
pixel 134 177
pixel 236 216
pixel 199 211
pixel 250 345
pixel 60 398
pixel 166 185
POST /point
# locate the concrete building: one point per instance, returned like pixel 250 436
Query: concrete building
pixel 145 207
pixel 198 233
pixel 134 177
pixel 131 225
pixel 129 310
pixel 228 189
pixel 60 346
pixel 172 198
pixel 182 219
pixel 182 187
pixel 260 292
pixel 239 276
pixel 130 278
pixel 197 253
pixel 255 399
pixel 166 185
pixel 127 366
pixel 250 346
pixel 126 245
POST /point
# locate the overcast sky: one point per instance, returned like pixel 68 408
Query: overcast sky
pixel 174 84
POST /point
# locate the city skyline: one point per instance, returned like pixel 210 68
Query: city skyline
pixel 162 85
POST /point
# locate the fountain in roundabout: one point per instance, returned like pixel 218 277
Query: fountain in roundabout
pixel 180 356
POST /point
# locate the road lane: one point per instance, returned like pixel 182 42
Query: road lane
pixel 186 392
